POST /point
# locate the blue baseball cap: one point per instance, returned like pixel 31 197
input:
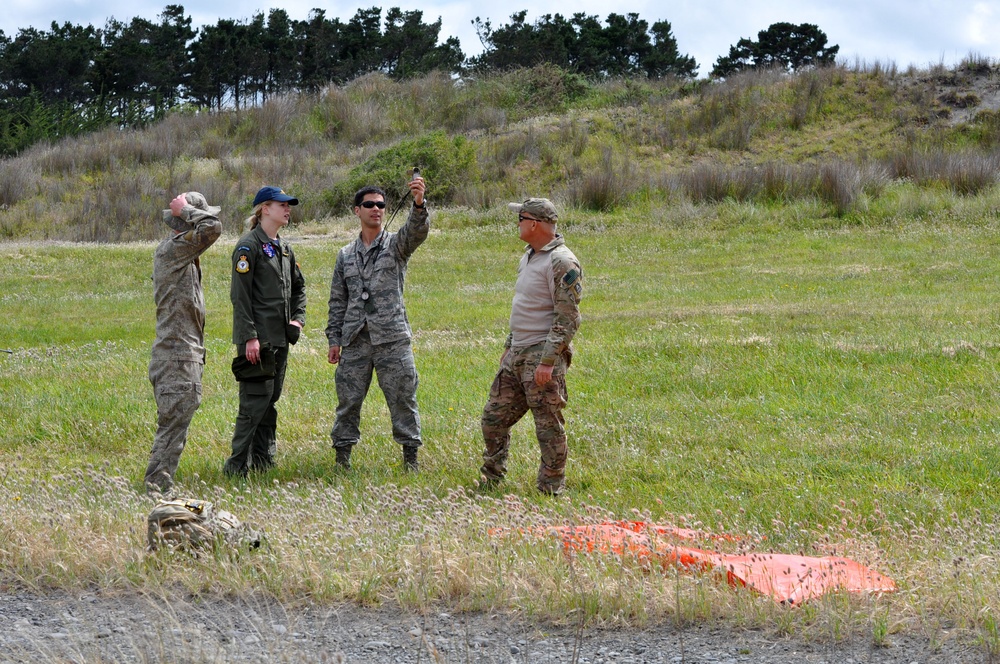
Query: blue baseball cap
pixel 273 194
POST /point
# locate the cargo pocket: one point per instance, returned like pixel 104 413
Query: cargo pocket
pixel 554 394
pixel 258 388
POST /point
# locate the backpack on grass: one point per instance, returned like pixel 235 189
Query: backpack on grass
pixel 195 524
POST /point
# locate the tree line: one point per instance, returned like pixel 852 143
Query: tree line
pixel 624 46
pixel 71 79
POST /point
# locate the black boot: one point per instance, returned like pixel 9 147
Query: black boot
pixel 410 463
pixel 344 457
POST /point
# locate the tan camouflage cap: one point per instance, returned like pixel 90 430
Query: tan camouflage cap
pixel 195 199
pixel 541 208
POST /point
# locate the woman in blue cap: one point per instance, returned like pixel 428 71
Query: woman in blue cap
pixel 268 294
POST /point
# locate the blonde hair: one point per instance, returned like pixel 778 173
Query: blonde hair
pixel 254 219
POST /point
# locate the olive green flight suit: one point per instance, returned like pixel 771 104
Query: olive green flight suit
pixel 267 292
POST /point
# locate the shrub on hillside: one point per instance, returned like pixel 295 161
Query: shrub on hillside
pixel 986 128
pixel 337 116
pixel 269 124
pixel 544 88
pixel 118 210
pixel 18 180
pixel 469 115
pixel 500 154
pixel 976 63
pixel 742 100
pixel 807 91
pixel 960 100
pixel 448 163
pixel 606 187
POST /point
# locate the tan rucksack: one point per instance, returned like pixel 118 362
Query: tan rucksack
pixel 194 524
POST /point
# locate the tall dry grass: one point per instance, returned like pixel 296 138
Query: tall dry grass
pixel 844 186
pixel 967 173
pixel 608 186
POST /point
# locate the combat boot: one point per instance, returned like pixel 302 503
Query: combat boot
pixel 344 457
pixel 410 463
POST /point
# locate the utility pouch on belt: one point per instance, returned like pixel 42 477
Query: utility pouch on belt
pixel 243 370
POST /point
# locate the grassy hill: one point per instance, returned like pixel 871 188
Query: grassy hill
pixel 839 135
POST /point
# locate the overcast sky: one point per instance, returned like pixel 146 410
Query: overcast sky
pixel 918 32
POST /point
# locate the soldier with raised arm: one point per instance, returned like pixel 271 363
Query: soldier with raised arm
pixel 178 356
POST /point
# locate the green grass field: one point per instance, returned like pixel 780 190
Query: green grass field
pixel 817 385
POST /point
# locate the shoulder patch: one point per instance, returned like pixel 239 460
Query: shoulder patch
pixel 571 277
pixel 242 248
pixel 243 265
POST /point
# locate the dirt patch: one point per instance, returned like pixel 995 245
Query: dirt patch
pixel 133 628
pixel 961 93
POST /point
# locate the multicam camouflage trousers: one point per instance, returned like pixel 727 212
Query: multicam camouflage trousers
pixel 512 394
pixel 397 377
pixel 177 390
pixel 255 438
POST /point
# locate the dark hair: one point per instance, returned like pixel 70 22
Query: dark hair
pixel 364 191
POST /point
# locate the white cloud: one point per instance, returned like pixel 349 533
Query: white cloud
pixel 982 26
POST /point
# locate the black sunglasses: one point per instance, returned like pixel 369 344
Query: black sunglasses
pixel 521 218
pixel 370 204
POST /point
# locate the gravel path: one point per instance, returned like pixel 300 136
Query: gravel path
pixel 90 628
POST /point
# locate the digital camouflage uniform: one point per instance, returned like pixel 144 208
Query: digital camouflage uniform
pixel 514 391
pixel 178 354
pixel 267 291
pixel 374 334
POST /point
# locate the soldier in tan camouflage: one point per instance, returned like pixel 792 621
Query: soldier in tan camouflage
pixel 178 356
pixel 544 317
pixel 367 328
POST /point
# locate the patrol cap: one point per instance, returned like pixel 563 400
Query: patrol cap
pixel 537 207
pixel 273 194
pixel 193 199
